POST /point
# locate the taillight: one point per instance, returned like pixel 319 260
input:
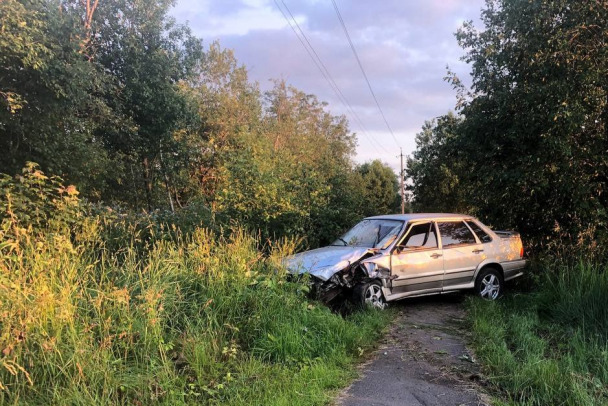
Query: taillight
pixel 521 251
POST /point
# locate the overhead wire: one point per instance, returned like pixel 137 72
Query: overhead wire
pixel 325 72
pixel 352 47
pixel 333 83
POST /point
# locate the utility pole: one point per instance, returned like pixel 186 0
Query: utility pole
pixel 402 185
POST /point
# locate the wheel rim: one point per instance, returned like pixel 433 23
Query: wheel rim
pixel 490 287
pixel 373 296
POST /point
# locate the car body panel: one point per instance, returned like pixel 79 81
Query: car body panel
pixel 324 262
pixel 460 264
pixel 417 270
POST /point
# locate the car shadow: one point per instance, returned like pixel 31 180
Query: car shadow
pixel 443 299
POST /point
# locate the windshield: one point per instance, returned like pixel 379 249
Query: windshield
pixel 371 234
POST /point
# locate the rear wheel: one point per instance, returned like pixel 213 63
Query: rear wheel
pixel 489 284
pixel 370 293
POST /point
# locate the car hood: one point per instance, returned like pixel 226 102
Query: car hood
pixel 324 262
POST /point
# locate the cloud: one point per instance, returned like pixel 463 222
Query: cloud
pixel 220 18
pixel 404 47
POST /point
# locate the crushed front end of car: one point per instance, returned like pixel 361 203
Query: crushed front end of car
pixel 335 271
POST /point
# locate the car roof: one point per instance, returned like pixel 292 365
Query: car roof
pixel 420 216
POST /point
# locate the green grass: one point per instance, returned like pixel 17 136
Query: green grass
pixel 196 319
pixel 549 347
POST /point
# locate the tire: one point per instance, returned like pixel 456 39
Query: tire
pixel 489 284
pixel 369 294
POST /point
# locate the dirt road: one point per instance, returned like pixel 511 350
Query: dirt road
pixel 423 360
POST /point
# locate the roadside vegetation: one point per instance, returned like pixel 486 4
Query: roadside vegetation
pixel 100 308
pixel 548 346
pixel 135 111
pixel 526 150
pixel 148 273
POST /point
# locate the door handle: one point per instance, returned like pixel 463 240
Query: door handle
pixel 477 251
pixel 435 256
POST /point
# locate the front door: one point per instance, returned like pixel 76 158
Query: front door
pixel 417 261
pixel 462 253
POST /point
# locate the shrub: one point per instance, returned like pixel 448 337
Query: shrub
pixel 95 311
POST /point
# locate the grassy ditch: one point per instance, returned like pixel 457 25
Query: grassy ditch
pixel 549 347
pixel 180 320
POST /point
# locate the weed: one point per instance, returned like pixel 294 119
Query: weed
pixel 109 312
pixel 548 347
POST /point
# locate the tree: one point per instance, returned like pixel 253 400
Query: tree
pixel 21 49
pixel 436 168
pixel 532 140
pixel 380 187
pixel 50 94
pixel 535 131
pixel 118 99
pixel 148 55
pixel 290 173
pixel 229 108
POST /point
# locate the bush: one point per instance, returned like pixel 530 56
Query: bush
pixel 100 315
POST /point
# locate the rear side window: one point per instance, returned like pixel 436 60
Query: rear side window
pixel 482 235
pixel 420 236
pixel 455 233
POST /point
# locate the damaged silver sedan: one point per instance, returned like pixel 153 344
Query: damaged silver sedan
pixel 386 258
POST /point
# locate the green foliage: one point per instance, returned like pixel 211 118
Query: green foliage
pixel 55 91
pixel 435 167
pixel 287 172
pixel 528 151
pixel 147 55
pixel 20 48
pixel 548 347
pixel 89 317
pixel 540 63
pixel 380 188
pixel 33 200
pixel 121 101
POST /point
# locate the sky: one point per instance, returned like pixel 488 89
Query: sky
pixel 404 47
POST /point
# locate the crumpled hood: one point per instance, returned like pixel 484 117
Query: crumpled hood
pixel 324 262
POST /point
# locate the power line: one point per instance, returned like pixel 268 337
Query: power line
pixel 325 72
pixel 362 70
pixel 333 83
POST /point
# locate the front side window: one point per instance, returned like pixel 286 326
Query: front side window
pixel 420 236
pixel 455 233
pixel 372 233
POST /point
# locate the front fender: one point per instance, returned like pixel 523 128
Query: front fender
pixel 378 267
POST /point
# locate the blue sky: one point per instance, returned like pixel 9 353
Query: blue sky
pixel 404 47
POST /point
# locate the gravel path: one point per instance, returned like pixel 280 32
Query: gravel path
pixel 423 360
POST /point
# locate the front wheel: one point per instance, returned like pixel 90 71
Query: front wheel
pixel 489 284
pixel 370 293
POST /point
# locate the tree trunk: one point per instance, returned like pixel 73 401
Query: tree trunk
pixel 164 169
pixel 148 183
pixel 135 193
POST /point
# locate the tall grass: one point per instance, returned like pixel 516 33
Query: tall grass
pixel 549 347
pixel 190 319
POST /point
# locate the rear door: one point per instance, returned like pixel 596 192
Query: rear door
pixel 462 253
pixel 417 261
